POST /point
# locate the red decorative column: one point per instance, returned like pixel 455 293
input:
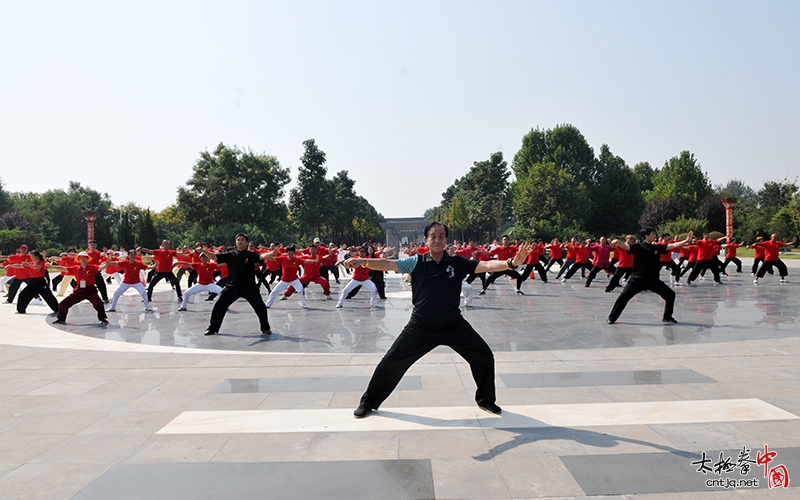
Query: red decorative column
pixel 90 218
pixel 729 203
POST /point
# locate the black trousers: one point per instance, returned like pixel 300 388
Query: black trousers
pixel 509 272
pixel 553 261
pixel 530 268
pixel 169 277
pixel 736 262
pixel 418 338
pixel 482 276
pixel 228 296
pixel 34 287
pixel 689 267
pixel 101 286
pixel 618 274
pixel 673 268
pixel 635 286
pixel 583 266
pixel 564 267
pixel 334 269
pixel 13 287
pixel 594 271
pixel 769 264
pixel 702 265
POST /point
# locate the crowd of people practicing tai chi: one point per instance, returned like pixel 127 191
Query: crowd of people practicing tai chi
pixel 439 274
pixel 241 270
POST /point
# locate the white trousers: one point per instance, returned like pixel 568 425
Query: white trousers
pixel 118 293
pixel 466 291
pixel 211 287
pixel 282 286
pixel 369 285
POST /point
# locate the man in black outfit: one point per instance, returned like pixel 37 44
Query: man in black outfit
pixel 241 283
pixel 646 267
pixel 436 318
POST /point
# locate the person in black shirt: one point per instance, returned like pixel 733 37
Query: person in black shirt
pixel 241 283
pixel 435 319
pixel 646 267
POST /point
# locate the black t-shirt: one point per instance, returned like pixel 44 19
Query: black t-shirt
pixel 241 267
pixel 647 260
pixel 436 288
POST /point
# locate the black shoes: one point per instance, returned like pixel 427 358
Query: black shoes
pixel 669 320
pixel 210 332
pixel 362 411
pixel 611 321
pixel 482 292
pixel 59 322
pixel 266 332
pixel 491 408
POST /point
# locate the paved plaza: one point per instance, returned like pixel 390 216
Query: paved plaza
pixel 148 407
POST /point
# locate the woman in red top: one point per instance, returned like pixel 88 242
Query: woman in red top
pixel 131 279
pixel 772 258
pixel 730 255
pixel 86 289
pixel 360 277
pixel 35 284
pixel 290 264
pixel 205 280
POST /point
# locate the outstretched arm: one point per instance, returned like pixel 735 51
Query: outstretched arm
pixel 376 264
pixel 494 266
pixel 679 244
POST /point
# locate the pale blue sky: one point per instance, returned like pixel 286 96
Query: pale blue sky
pixel 122 96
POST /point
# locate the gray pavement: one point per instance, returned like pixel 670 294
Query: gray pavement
pixel 148 407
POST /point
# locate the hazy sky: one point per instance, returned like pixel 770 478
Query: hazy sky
pixel 123 96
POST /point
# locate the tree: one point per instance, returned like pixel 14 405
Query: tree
pixel 147 235
pixel 683 179
pixel 5 199
pixel 659 211
pixel 735 189
pixel 712 210
pixel 309 202
pixel 352 217
pixel 231 187
pixel 682 225
pixel 756 217
pixel 564 146
pixel 548 196
pixel 644 175
pixel 617 201
pixel 125 232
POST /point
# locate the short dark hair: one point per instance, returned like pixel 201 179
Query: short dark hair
pixel 93 241
pixel 436 223
pixel 243 235
pixel 291 248
pixel 37 254
pixel 645 231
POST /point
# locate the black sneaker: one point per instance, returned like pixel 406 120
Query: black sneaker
pixel 669 320
pixel 268 331
pixel 209 332
pixel 491 408
pixel 482 292
pixel 362 411
pixel 611 321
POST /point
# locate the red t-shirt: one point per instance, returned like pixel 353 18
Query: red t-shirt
pixel 205 273
pixel 536 252
pixel 581 255
pixel 705 249
pixel 693 251
pixel 730 250
pixel 771 249
pixel 83 274
pixel 20 273
pixel 289 267
pixel 131 276
pixel 361 273
pixel 667 257
pixel 39 272
pixel 624 258
pixel 311 271
pixel 421 251
pixel 570 251
pixel 504 253
pixel 163 260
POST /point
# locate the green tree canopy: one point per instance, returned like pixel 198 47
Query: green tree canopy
pixel 682 178
pixel 617 201
pixel 310 201
pixel 563 145
pixel 233 187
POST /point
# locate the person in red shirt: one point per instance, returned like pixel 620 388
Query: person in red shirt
pixel 63 280
pixel 290 265
pixel 772 258
pixel 164 263
pixel 758 257
pixel 35 284
pixel 475 253
pixel 692 260
pixel 185 259
pixel 504 252
pixel 624 264
pixel 533 263
pixel 570 258
pixel 205 280
pixel 311 274
pixel 705 254
pixel 360 278
pixel 19 273
pixel 730 255
pixel 556 254
pixel 582 252
pixel 601 262
pixel 329 263
pixel 131 268
pixel 85 274
pixel 98 258
pixel 666 261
